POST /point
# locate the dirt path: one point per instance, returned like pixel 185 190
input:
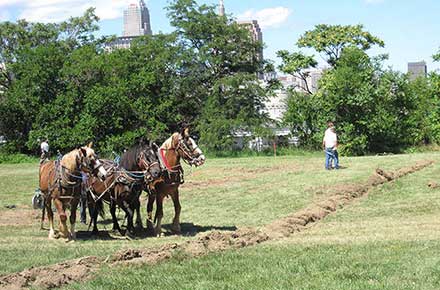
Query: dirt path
pixel 67 272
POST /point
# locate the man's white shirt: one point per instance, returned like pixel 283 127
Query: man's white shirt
pixel 44 147
pixel 330 139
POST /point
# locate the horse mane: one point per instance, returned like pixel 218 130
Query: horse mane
pixel 168 143
pixel 129 158
pixel 69 160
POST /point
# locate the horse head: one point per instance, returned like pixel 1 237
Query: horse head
pixel 148 161
pixel 187 148
pixel 89 162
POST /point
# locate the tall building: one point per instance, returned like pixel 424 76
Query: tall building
pixel 417 69
pixel 256 33
pixel 251 25
pixel 221 8
pixel 137 20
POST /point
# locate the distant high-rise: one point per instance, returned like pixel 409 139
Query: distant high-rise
pixel 221 8
pixel 256 33
pixel 137 20
pixel 417 69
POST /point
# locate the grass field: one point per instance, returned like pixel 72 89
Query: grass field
pixel 387 240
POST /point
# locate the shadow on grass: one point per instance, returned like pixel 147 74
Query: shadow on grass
pixel 190 229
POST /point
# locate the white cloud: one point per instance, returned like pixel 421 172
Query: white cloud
pixel 268 17
pixel 58 10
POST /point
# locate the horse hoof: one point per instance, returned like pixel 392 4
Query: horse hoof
pixel 150 224
pixel 130 235
pixel 53 236
pixel 64 235
pixel 139 226
pixel 176 229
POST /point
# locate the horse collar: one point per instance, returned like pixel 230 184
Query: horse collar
pixel 163 160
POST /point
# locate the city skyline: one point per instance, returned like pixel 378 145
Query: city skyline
pixel 408 29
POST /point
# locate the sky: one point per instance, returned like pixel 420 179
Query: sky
pixel 410 28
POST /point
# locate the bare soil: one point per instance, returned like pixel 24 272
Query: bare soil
pixel 19 217
pixel 83 269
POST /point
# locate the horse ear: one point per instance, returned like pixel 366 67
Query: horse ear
pixel 175 139
pixel 154 146
pixel 83 151
pixel 90 145
pixel 185 132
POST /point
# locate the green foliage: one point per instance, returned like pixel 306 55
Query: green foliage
pixel 375 110
pixel 305 116
pixel 331 40
pixel 296 64
pixel 61 84
pixel 221 94
pixel 436 56
pixel 6 158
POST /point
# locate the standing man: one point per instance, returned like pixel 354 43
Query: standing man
pixel 44 146
pixel 330 146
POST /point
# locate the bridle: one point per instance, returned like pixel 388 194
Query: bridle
pixel 145 164
pixel 188 154
pixel 85 162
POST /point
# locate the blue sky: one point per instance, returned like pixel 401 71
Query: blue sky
pixel 410 29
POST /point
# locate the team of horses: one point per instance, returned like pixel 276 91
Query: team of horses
pixel 156 170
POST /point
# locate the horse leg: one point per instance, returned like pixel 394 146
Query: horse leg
pixel 159 214
pixel 73 207
pixel 129 213
pixel 63 218
pixel 48 206
pixel 175 227
pixel 94 218
pixel 137 207
pixel 150 203
pixel 114 218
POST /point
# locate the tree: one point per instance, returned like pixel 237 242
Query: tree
pixel 436 56
pixel 331 40
pixel 305 116
pixel 297 64
pixel 218 73
pixel 371 107
pixel 33 55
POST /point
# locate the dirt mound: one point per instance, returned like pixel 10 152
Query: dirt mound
pixel 52 276
pixel 300 220
pixel 82 269
pixel 433 184
pixel 210 242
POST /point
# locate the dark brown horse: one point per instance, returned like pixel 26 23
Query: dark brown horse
pixel 119 188
pixel 130 162
pixel 179 145
pixel 60 181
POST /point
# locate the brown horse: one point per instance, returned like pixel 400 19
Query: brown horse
pixel 179 145
pixel 119 188
pixel 60 181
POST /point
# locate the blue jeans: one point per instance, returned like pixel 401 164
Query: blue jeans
pixel 331 155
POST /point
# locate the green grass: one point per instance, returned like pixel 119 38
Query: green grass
pixel 386 240
pixel 225 193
